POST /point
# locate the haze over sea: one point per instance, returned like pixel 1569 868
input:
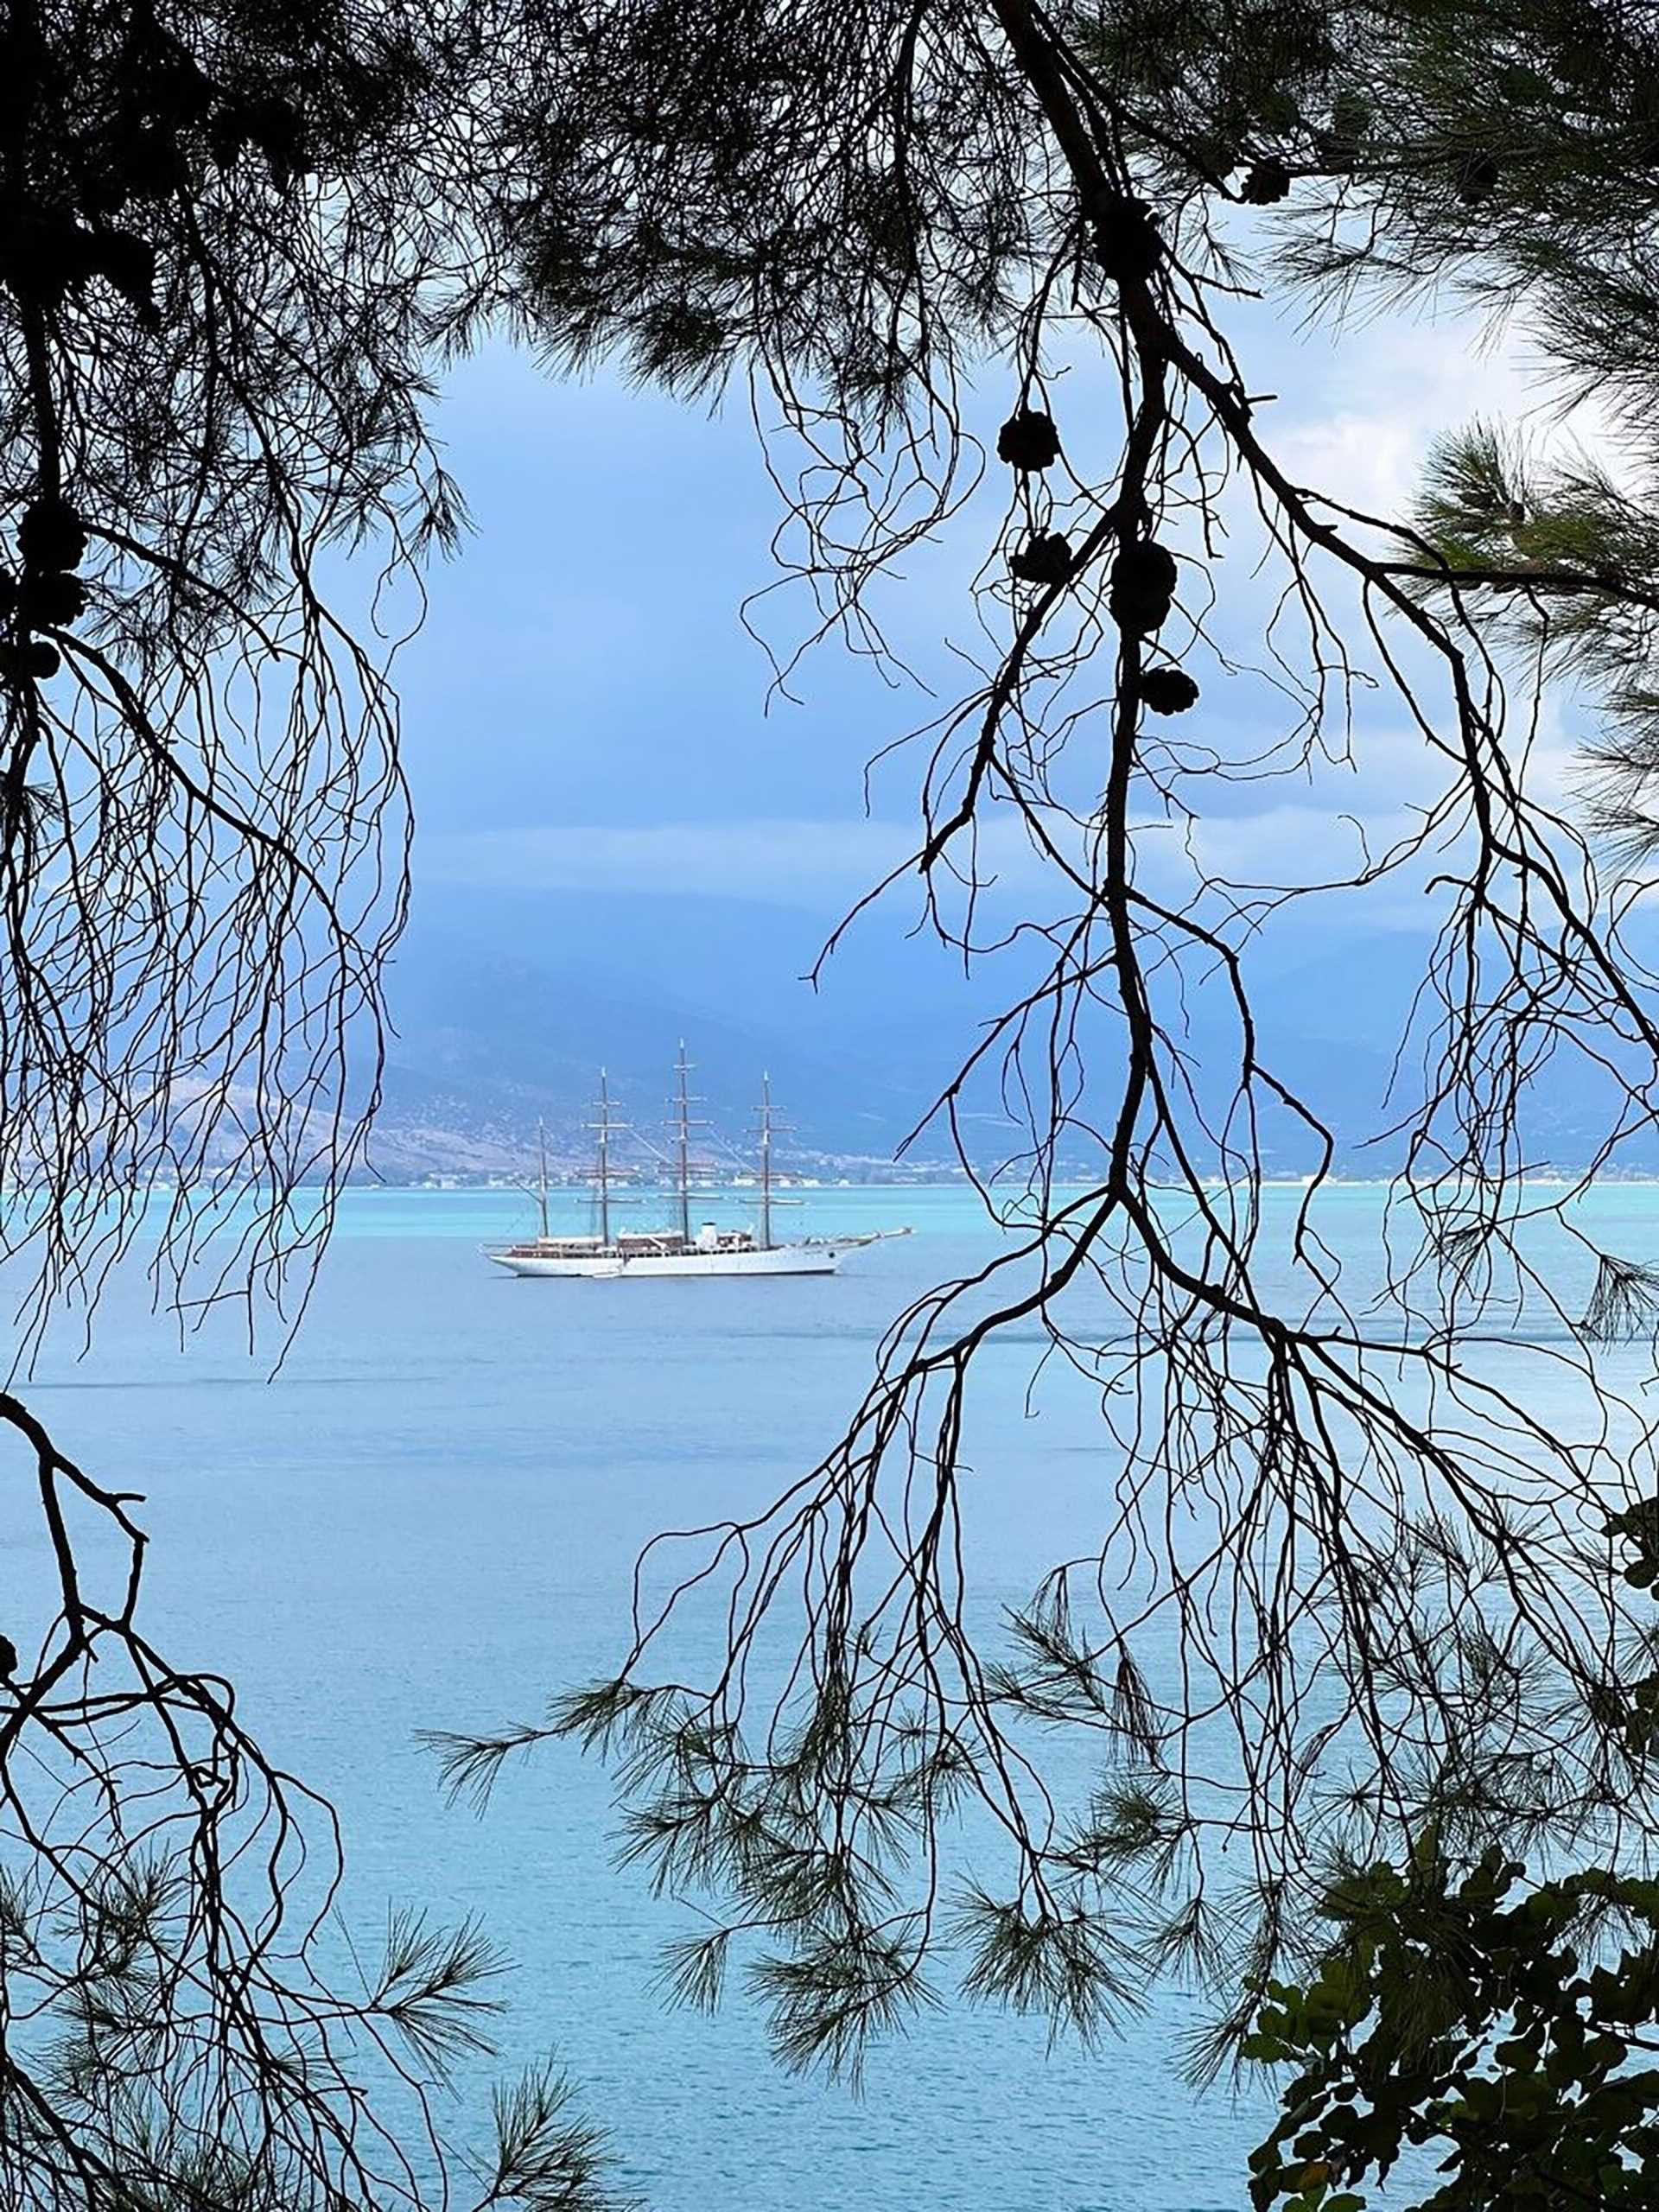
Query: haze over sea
pixel 427 1519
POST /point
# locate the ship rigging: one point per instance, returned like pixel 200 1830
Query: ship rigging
pixel 712 1250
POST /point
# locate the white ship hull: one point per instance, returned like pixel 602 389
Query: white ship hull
pixel 711 1250
pixel 776 1260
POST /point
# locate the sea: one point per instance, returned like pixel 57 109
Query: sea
pixel 426 1517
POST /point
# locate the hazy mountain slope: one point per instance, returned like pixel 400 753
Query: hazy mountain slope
pixel 507 1003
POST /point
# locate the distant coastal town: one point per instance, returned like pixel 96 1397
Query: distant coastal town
pixel 834 1176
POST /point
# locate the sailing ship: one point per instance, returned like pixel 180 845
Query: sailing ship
pixel 679 1251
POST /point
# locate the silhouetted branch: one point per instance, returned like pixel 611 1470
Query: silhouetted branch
pixel 224 235
pixel 1353 1573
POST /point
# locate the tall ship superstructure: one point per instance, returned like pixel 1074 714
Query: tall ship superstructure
pixel 678 1250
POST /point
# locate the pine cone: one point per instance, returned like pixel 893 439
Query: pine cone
pixel 1479 178
pixel 1028 440
pixel 1143 584
pixel 51 599
pixel 31 662
pixel 1168 690
pixel 1044 558
pixel 52 535
pixel 1268 181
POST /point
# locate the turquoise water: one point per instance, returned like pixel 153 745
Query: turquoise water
pixel 427 1520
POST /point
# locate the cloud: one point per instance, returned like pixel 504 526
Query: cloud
pixel 774 861
pixel 822 864
pixel 1371 402
pixel 1380 392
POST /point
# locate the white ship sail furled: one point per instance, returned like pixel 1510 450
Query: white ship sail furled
pixel 708 1250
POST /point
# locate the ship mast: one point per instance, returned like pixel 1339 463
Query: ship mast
pixel 604 1159
pixel 766 1163
pixel 683 1141
pixel 770 1129
pixel 541 1187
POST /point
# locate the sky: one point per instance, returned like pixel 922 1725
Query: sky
pixel 604 780
pixel 584 708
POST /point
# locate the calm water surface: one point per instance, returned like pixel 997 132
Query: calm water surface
pixel 428 1520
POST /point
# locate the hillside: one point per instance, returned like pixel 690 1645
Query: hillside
pixel 506 1004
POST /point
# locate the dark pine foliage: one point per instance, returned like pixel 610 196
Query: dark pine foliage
pixel 1501 2026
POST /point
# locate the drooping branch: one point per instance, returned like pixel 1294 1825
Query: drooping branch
pixel 224 236
pixel 1351 1577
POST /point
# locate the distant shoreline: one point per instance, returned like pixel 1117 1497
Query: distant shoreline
pixel 825 1187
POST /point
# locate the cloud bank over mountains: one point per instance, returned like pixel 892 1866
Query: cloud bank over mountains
pixel 627 833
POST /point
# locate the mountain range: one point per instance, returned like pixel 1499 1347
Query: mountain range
pixel 506 1003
